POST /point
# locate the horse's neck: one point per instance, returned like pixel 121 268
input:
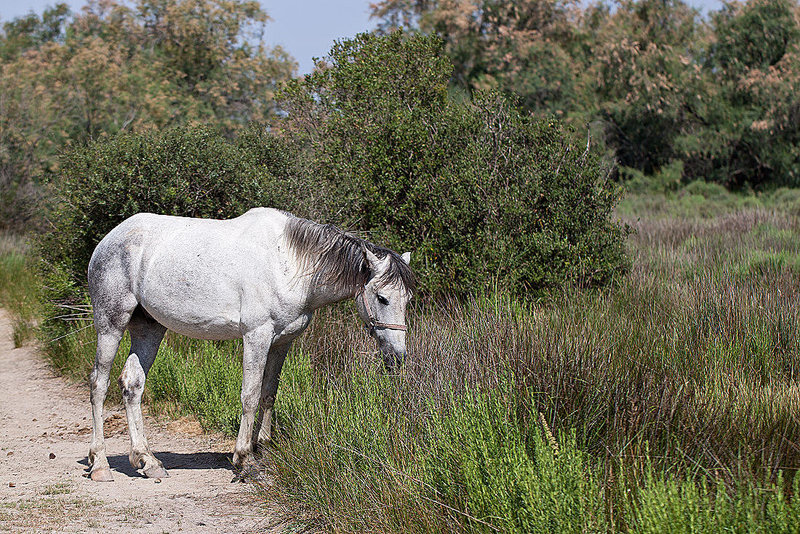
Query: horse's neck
pixel 323 295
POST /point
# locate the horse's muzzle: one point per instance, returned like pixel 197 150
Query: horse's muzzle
pixel 392 361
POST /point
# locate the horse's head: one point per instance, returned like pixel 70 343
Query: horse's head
pixel 382 305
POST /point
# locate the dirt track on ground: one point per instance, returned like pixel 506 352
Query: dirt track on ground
pixel 45 429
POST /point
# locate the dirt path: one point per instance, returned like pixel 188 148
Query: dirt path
pixel 45 430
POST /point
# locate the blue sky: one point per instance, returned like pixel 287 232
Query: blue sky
pixel 305 28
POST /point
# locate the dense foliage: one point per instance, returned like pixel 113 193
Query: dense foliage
pixel 68 79
pixel 479 192
pixel 664 84
pixel 193 172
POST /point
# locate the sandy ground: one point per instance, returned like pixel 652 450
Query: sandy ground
pixel 45 429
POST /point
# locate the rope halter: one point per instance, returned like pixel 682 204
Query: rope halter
pixel 372 324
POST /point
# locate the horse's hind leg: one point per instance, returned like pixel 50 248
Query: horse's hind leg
pixel 146 336
pixel 107 344
pixel 111 316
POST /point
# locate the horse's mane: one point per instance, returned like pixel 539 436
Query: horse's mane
pixel 336 258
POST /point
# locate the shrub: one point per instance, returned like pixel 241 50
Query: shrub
pixel 191 172
pixel 482 194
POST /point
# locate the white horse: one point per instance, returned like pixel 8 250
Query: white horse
pixel 258 277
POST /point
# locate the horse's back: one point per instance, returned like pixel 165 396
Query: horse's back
pixel 145 235
pixel 191 274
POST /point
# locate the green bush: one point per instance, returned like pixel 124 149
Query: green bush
pixel 482 194
pixel 185 171
pixel 192 172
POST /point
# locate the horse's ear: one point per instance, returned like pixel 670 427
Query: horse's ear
pixel 372 260
pixel 406 257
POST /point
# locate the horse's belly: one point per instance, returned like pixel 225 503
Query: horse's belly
pixel 201 327
pixel 193 307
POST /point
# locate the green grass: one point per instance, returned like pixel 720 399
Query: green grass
pixel 666 402
pixel 19 288
pixel 200 378
pixel 359 464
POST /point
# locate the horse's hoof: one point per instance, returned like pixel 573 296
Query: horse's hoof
pixel 102 475
pixel 156 472
pixel 245 474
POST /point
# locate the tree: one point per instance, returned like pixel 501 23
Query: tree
pixel 66 80
pixel 522 48
pixel 31 31
pixel 666 87
pixel 650 90
pixel 755 62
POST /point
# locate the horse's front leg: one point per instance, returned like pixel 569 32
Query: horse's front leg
pixel 269 387
pixel 254 360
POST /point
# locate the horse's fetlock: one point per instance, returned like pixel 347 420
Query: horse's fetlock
pixel 97 458
pixel 137 459
pixel 242 456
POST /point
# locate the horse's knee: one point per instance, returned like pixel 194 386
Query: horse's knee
pixel 250 399
pixel 131 381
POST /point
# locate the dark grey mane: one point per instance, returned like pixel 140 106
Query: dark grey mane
pixel 336 258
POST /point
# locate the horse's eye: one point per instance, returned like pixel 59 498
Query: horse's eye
pixel 383 300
